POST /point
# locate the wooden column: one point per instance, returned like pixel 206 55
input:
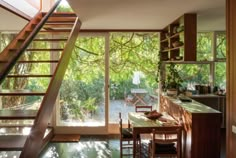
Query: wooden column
pixel 231 77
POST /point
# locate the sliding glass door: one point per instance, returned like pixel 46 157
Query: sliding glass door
pixel 83 94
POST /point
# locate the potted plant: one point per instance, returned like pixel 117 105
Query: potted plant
pixel 172 82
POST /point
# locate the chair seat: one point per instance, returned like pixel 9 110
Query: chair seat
pixel 164 148
pixel 128 133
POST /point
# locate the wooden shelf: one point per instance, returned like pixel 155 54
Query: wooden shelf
pixel 174 48
pixel 187 35
pixel 177 34
pixel 164 40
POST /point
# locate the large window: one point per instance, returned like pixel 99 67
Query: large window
pixel 221 45
pixel 205 46
pixel 82 91
pixel 192 74
pixel 133 60
pixel 210 67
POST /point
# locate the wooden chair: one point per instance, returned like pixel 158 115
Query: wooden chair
pixel 143 108
pixel 126 140
pixel 166 142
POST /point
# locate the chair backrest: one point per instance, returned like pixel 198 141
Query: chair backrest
pixel 120 122
pixel 166 139
pixel 143 108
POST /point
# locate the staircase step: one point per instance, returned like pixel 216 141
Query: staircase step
pixel 38 61
pixel 61 31
pixel 61 14
pixel 66 25
pixel 58 49
pixel 18 114
pixel 23 92
pixel 12 142
pixel 61 19
pixel 14 130
pixel 16 142
pixel 47 39
pixel 15 125
pixel 52 39
pixel 27 75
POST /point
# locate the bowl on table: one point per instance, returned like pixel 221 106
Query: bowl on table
pixel 153 115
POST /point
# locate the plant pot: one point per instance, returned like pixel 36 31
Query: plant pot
pixel 172 92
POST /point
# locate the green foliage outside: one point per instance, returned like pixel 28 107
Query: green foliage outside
pixel 204 46
pixel 128 52
pixel 84 78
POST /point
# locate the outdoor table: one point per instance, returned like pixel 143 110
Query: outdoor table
pixel 139 95
pixel 141 124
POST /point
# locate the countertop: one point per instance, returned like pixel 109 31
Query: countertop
pixel 192 107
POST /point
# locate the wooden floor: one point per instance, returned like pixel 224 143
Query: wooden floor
pixel 100 146
pixel 66 138
pixel 92 146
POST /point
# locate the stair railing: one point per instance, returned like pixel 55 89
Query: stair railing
pixel 9 65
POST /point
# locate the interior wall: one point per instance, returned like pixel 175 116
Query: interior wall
pixel 231 77
pixel 47 4
pixel 10 22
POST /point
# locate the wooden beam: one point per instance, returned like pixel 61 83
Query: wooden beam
pixel 231 77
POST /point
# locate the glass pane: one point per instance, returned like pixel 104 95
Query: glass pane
pixel 193 74
pixel 133 61
pixel 221 45
pixel 204 46
pixel 5 39
pixel 220 75
pixel 82 90
pixel 64 7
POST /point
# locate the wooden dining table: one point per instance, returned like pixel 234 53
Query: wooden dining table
pixel 140 124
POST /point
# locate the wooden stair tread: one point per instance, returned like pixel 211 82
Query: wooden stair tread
pixel 61 19
pixel 61 14
pixel 61 31
pixel 59 25
pixel 51 39
pixel 18 114
pixel 16 142
pixel 5 92
pixel 37 49
pixel 27 75
pixel 12 142
pixel 47 39
pixel 38 61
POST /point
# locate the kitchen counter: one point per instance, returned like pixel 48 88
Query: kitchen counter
pixel 202 124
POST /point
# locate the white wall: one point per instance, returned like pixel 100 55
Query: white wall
pixel 23 6
pixel 47 4
pixel 10 22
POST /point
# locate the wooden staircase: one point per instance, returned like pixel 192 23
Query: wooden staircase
pixel 57 32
